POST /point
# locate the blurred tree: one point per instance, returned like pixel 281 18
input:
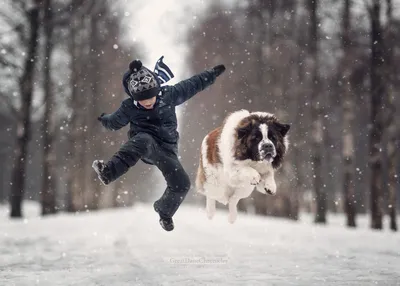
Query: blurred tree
pixel 378 93
pixel 300 108
pixel 58 17
pixel 347 101
pixel 392 129
pixel 26 83
pixel 317 125
pixel 76 133
pixel 48 195
pixel 73 181
pixel 81 38
pixel 94 72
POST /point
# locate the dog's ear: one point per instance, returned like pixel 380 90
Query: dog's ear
pixel 282 128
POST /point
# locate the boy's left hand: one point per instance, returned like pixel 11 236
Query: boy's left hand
pixel 218 70
pixel 99 118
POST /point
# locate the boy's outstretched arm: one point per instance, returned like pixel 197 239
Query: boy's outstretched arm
pixel 186 89
pixel 116 120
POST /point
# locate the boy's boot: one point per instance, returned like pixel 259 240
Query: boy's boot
pixel 166 222
pixel 103 171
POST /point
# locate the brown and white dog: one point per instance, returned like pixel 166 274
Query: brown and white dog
pixel 239 156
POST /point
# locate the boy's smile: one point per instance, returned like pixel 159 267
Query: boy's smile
pixel 148 103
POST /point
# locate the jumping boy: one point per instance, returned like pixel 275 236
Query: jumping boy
pixel 153 135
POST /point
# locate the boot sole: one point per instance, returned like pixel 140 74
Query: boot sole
pixel 166 229
pixel 156 210
pixel 96 168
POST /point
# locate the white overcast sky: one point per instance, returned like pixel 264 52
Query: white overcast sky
pixel 160 26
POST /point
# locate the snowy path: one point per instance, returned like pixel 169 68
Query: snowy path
pixel 128 247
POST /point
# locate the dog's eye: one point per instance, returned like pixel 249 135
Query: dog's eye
pixel 256 136
pixel 271 136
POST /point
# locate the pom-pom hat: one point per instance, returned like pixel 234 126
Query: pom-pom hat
pixel 141 83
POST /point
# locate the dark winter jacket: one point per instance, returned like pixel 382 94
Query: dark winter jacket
pixel 160 121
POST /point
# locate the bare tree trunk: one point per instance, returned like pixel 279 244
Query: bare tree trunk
pixel 393 183
pixel 288 90
pixel 361 142
pixel 299 110
pixel 93 112
pixel 48 195
pixel 348 120
pixel 72 122
pixel 83 191
pixel 24 119
pixel 392 129
pixel 76 137
pixel 378 92
pixel 317 136
pixel 2 176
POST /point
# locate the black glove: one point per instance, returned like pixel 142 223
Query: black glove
pixel 99 118
pixel 218 70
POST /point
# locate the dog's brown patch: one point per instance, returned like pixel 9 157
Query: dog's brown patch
pixel 213 156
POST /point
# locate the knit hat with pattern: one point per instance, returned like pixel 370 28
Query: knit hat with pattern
pixel 141 83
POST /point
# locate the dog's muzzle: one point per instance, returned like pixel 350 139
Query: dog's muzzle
pixel 268 152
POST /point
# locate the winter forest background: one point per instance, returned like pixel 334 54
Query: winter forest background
pixel 329 68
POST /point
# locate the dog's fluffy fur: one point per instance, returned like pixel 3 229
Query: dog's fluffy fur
pixel 239 156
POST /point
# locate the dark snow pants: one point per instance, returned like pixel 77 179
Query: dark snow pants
pixel 164 156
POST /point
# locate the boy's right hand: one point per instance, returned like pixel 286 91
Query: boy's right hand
pixel 100 117
pixel 218 70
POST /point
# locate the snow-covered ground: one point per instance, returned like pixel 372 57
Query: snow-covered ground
pixel 128 247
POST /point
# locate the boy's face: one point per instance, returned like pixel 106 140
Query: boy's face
pixel 148 103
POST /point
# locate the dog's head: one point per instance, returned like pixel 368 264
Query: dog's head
pixel 260 136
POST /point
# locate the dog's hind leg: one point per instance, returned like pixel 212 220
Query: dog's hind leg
pixel 233 201
pixel 210 208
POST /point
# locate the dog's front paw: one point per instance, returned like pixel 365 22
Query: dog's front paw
pixel 252 176
pixel 270 192
pixel 244 177
pixel 255 180
pixel 270 187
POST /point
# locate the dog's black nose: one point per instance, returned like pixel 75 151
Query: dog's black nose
pixel 268 148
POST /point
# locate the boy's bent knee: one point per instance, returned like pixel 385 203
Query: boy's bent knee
pixel 134 149
pixel 178 180
pixel 184 181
